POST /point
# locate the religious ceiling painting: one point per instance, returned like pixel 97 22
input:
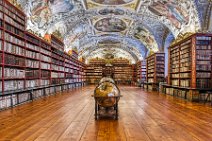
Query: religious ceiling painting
pixel 109 43
pixel 176 14
pixel 40 12
pixel 43 14
pixel 60 6
pixel 112 2
pixel 73 37
pixel 110 25
pixel 145 36
pixel 129 4
pixel 108 11
pixel 87 48
pixel 138 25
pixel 111 53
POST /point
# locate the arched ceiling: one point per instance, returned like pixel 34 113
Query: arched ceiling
pixel 138 25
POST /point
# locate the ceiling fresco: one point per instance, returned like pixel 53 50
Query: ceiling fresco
pixel 110 25
pixel 204 12
pixel 169 9
pixel 112 2
pixel 106 53
pixel 140 26
pixel 107 11
pixel 91 43
pixel 131 4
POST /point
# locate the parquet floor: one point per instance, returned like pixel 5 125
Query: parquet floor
pixel 144 116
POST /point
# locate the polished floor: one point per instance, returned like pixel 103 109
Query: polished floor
pixel 144 116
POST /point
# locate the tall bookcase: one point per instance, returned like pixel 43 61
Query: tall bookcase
pixel 27 61
pixel 12 42
pixel 141 70
pixel 121 71
pixel 190 63
pixel 155 70
pixel 141 73
pixel 94 71
pixel 134 74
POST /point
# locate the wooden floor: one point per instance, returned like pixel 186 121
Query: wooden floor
pixel 144 116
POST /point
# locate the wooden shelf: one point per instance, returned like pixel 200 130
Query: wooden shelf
pixel 195 56
pixel 25 53
pixel 155 62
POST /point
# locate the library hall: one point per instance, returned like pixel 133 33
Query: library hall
pixel 105 70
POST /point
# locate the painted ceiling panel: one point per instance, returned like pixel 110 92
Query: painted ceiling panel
pixel 139 25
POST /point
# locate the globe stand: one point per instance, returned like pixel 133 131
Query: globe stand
pixel 107 109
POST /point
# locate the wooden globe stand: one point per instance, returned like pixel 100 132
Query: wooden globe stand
pixel 98 107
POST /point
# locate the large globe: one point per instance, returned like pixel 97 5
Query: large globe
pixel 106 79
pixel 105 92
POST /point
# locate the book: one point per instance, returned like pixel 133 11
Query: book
pixel 45 58
pixel 33 47
pixel 44 82
pixel 14 60
pixel 32 74
pixel 14 73
pixel 13 85
pixel 32 83
pixel 32 63
pixel 45 74
pixel 14 49
pixel 45 66
pixel 13 39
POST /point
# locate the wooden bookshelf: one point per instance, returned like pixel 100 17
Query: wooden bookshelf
pixel 134 74
pixel 94 71
pixel 123 71
pixel 123 74
pixel 120 70
pixel 27 61
pixel 155 70
pixel 190 66
pixel 141 71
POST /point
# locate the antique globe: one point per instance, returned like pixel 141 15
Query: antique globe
pixel 105 92
pixel 106 79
